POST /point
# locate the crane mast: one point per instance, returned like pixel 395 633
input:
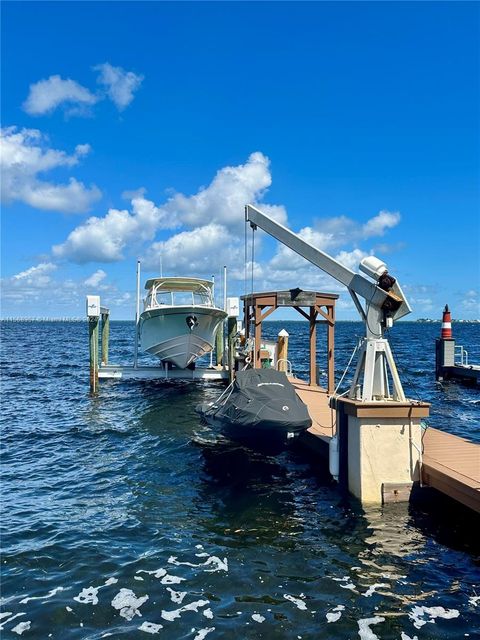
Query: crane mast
pixel 384 303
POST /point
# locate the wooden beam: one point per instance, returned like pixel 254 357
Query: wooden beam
pixel 267 313
pixel 331 351
pixel 313 347
pixel 302 312
pixel 323 314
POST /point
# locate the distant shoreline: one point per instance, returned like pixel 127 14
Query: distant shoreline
pixel 419 321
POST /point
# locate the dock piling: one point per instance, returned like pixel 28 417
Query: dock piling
pixel 231 333
pixel 93 315
pixel 105 334
pixel 282 350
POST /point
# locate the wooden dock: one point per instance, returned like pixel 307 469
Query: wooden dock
pixel 450 464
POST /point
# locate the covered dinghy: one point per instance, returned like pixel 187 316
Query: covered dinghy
pixel 260 407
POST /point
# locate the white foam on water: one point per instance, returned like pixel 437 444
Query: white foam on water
pixel 138 578
pixel 177 596
pixel 208 613
pixel 69 609
pixel 405 637
pixel 202 633
pixel 158 573
pixel 300 604
pixel 88 595
pixel 335 614
pixel 346 579
pixel 371 590
pixel 203 554
pixel 258 618
pixel 168 579
pixel 127 603
pixel 218 564
pixel 21 627
pixel 418 615
pixel 17 615
pixel 199 546
pixel 49 595
pixel 5 614
pixel 474 600
pixel 193 606
pixel 150 627
pixel 364 630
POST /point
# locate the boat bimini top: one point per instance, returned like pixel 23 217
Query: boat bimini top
pixel 178 292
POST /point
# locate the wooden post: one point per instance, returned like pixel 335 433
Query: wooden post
pixel 313 347
pixel 257 363
pixel 331 350
pixel 219 345
pixel 105 335
pixel 93 334
pixel 231 332
pixel 282 350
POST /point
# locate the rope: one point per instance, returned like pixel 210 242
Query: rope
pixel 347 367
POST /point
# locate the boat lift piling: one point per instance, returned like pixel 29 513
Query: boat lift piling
pixel 105 334
pixel 137 318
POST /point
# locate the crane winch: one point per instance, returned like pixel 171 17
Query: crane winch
pixel 384 304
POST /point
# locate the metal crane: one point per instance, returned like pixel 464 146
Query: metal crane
pixel 384 304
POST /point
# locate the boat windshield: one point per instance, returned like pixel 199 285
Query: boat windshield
pixel 156 298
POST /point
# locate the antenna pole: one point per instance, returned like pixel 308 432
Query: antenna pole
pixel 137 318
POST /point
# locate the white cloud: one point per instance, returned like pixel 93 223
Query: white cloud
pixel 104 239
pixel 377 225
pixel 95 279
pixel 35 276
pixel 120 84
pixel 471 301
pixel 35 292
pixel 199 251
pixel 24 155
pixel 221 203
pixel 224 200
pixel 46 95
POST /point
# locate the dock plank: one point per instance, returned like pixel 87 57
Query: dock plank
pixel 317 401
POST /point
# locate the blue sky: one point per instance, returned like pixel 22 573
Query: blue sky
pixel 141 129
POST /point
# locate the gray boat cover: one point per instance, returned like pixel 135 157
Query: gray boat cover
pixel 264 398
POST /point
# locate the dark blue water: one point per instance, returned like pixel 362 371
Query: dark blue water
pixel 121 513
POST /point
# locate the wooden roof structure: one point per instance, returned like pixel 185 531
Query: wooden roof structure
pixel 258 306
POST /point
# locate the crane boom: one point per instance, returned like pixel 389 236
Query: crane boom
pixel 355 282
pixel 370 381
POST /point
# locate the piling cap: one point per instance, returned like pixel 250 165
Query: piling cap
pixel 283 333
pixel 446 332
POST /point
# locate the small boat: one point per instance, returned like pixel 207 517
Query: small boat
pixel 179 320
pixel 259 408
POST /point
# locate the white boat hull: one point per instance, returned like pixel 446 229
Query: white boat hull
pixel 179 335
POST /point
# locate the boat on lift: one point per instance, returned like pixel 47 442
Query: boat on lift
pixel 179 320
pixel 260 408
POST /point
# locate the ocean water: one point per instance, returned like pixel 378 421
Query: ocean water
pixel 124 517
